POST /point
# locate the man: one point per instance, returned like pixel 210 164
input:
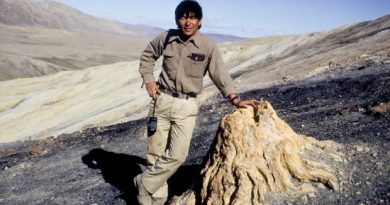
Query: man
pixel 187 57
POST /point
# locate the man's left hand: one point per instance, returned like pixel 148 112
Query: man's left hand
pixel 247 103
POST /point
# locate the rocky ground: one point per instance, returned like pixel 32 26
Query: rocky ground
pixel 96 166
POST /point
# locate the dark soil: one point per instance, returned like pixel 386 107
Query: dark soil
pixel 96 166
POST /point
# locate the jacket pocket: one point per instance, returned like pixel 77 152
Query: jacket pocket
pixel 169 64
pixel 197 65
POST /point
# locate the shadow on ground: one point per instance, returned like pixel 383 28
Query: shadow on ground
pixel 117 170
pixel 120 169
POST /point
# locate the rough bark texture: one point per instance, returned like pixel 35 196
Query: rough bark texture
pixel 256 153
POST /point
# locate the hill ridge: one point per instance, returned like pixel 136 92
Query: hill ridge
pixel 55 15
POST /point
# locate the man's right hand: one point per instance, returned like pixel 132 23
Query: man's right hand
pixel 152 89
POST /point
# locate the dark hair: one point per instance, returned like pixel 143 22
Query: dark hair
pixel 187 6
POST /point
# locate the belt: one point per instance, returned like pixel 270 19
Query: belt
pixel 177 94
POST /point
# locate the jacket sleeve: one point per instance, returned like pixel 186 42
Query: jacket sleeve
pixel 149 57
pixel 219 74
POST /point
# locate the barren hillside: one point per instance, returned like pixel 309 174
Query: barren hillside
pixel 31 51
pixel 44 37
pixel 77 136
pixel 96 166
pixel 50 105
pixel 300 56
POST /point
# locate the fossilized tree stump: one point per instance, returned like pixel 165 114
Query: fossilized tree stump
pixel 255 152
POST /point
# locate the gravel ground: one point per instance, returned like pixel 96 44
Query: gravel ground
pixel 95 166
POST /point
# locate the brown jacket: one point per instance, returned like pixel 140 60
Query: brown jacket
pixel 185 63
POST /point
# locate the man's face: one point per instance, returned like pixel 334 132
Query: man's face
pixel 189 24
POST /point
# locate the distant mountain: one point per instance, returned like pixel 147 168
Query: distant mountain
pixel 44 37
pixel 50 14
pixel 221 38
pixel 151 32
pixel 142 30
pixel 54 15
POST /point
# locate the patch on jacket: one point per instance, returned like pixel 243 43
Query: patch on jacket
pixel 197 57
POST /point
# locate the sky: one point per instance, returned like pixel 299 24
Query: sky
pixel 245 18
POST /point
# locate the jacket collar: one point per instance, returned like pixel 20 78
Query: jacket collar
pixel 195 39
